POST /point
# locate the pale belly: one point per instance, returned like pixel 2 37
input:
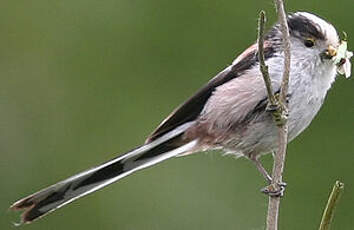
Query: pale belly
pixel 261 135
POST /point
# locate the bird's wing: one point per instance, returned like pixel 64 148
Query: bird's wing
pixel 191 109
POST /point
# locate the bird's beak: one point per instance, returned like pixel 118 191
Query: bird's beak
pixel 331 51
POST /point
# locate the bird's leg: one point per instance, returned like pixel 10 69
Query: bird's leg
pixel 261 169
pixel 273 189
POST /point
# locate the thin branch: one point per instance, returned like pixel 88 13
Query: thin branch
pixel 333 200
pixel 280 109
pixel 277 176
pixel 286 43
pixel 263 66
pixel 279 160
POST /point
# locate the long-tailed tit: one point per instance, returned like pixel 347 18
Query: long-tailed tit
pixel 227 113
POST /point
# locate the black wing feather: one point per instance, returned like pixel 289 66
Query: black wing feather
pixel 191 108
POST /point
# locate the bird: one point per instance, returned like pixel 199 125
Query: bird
pixel 229 113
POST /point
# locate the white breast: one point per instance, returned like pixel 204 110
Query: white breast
pixel 308 87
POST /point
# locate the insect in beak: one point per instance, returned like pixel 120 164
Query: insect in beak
pixel 342 59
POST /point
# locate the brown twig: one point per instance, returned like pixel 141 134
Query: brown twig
pixel 263 66
pixel 281 109
pixel 279 160
pixel 333 200
pixel 286 43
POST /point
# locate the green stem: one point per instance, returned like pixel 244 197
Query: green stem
pixel 333 200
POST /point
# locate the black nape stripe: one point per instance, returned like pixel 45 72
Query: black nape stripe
pixel 301 26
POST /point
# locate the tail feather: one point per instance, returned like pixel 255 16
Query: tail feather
pixel 66 191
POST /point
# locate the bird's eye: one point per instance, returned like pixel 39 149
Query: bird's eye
pixel 309 42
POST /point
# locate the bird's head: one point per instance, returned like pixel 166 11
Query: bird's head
pixel 315 41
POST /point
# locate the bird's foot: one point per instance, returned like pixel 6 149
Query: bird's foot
pixel 274 189
pixel 279 112
pixel 272 108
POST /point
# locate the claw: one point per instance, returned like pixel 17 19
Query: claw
pixel 274 189
pixel 272 108
pixel 279 111
pixel 288 96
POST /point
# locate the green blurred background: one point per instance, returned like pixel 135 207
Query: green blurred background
pixel 82 80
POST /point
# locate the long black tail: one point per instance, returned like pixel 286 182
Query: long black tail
pixel 66 191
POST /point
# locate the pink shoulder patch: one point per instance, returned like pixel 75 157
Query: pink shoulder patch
pixel 249 50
